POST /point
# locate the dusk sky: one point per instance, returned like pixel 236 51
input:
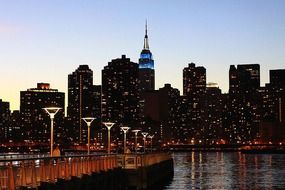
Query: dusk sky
pixel 44 41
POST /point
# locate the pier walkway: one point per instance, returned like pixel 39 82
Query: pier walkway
pixel 57 172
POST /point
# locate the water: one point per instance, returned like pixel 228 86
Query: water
pixel 227 170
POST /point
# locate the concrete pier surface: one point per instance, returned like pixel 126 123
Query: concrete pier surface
pixel 84 172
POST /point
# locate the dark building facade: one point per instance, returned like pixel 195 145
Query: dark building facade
pixel 244 103
pixel 194 91
pixel 35 121
pixel 277 78
pixel 84 100
pixel 15 132
pixel 4 120
pixel 146 67
pixel 272 128
pixel 244 78
pixel 120 96
pixel 161 113
pixel 213 129
pixel 194 80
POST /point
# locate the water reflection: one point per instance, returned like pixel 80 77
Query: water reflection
pixel 229 170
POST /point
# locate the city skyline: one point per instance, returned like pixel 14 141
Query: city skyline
pixel 41 47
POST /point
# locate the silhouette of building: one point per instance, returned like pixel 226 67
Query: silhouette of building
pixel 15 132
pixel 277 78
pixel 161 111
pixel 194 80
pixel 194 90
pixel 4 120
pixel 35 121
pixel 84 100
pixel 213 129
pixel 273 108
pixel 146 67
pixel 277 85
pixel 120 97
pixel 244 103
pixel 244 78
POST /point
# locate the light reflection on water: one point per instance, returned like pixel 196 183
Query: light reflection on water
pixel 227 170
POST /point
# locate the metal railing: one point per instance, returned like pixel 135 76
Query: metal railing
pixel 30 172
pixel 134 161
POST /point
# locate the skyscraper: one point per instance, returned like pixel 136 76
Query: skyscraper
pixel 36 121
pixel 194 80
pixel 213 128
pixel 146 67
pixel 4 119
pixel 194 90
pixel 161 111
pixel 120 91
pixel 277 78
pixel 244 102
pixel 277 84
pixel 275 95
pixel 244 78
pixel 82 101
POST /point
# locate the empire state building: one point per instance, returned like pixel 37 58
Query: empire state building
pixel 146 66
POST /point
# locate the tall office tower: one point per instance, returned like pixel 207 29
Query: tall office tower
pixel 249 77
pixel 170 125
pixel 36 121
pixel 120 92
pixel 15 132
pixel 96 132
pixel 277 78
pixel 277 83
pixel 161 110
pixel 184 130
pixel 194 88
pixel 273 108
pixel 4 120
pixel 194 80
pixel 146 67
pixel 276 95
pixel 213 128
pixel 233 80
pixel 245 102
pixel 82 101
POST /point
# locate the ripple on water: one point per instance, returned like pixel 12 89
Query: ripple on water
pixel 228 170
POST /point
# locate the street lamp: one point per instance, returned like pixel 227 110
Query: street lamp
pixel 144 134
pixel 51 111
pixel 151 136
pixel 109 125
pixel 88 121
pixel 125 129
pixel 136 138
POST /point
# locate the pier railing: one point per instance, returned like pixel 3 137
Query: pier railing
pixel 30 172
pixel 134 161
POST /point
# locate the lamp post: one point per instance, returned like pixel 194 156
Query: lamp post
pixel 144 134
pixel 136 138
pixel 51 111
pixel 125 129
pixel 151 136
pixel 88 121
pixel 109 125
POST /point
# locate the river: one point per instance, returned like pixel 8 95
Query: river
pixel 227 170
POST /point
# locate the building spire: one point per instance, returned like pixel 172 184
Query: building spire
pixel 146 45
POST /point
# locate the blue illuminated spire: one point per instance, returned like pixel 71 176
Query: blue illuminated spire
pixel 146 60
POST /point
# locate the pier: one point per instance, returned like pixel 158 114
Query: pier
pixel 84 172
